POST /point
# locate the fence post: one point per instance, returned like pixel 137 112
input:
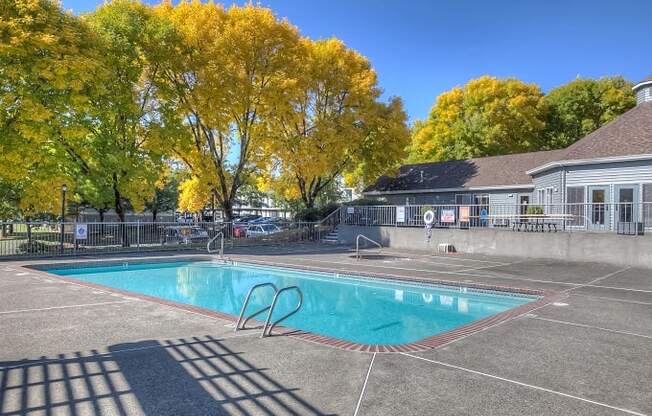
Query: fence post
pixel 138 235
pixel 62 237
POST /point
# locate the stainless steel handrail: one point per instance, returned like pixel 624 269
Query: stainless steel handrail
pixel 208 245
pixel 267 329
pixel 246 302
pixel 357 244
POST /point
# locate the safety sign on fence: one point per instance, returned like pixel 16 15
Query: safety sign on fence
pixel 447 215
pixel 465 214
pixel 81 231
pixel 400 213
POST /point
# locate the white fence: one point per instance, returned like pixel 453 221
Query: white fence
pixel 621 217
pixel 20 239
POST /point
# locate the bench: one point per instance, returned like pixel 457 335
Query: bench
pixel 536 225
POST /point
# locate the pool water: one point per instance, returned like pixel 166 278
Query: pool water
pixel 355 309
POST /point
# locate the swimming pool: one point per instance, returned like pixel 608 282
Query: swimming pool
pixel 351 308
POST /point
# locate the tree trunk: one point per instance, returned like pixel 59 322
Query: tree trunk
pixel 227 207
pixel 3 230
pixel 309 201
pixel 120 210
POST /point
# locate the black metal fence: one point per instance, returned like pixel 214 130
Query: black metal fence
pixel 24 239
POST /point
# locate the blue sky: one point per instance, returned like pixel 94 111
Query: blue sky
pixel 422 48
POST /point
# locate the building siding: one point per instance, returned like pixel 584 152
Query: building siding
pixel 644 94
pixel 610 173
pixel 501 200
pixel 549 179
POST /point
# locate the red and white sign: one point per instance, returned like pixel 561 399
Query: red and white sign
pixel 447 215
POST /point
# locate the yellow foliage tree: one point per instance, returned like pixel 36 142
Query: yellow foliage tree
pixel 194 195
pixel 488 116
pixel 333 125
pixel 219 88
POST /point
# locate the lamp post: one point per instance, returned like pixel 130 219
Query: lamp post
pixel 64 189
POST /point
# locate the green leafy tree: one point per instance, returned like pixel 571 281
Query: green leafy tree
pixel 488 116
pixel 166 196
pixel 120 163
pixel 581 106
pixel 48 68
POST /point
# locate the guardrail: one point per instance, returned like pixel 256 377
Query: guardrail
pixel 44 239
pixel 567 217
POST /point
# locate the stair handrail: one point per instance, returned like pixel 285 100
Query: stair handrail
pixel 357 244
pixel 267 328
pixel 208 245
pixel 336 218
pixel 240 324
pixel 332 214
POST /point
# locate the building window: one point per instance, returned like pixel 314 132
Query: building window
pixel 647 204
pixel 463 199
pixel 544 199
pixel 575 200
pixel 549 207
pixel 480 210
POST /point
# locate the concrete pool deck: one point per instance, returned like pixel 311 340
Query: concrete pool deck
pixel 70 349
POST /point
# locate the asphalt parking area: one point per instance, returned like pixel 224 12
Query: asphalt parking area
pixel 69 349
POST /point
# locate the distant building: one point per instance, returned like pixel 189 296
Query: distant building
pixel 605 177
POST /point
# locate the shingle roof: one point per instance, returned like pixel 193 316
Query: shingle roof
pixel 629 134
pixel 479 172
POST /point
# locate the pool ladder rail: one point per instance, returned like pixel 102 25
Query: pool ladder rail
pixel 220 235
pixel 268 326
pixel 358 256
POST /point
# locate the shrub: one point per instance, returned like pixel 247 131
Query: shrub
pixel 315 214
pixel 33 247
pixel 534 210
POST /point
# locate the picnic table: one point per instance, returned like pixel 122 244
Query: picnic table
pixel 534 222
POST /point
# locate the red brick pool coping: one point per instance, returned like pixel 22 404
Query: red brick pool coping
pixel 435 341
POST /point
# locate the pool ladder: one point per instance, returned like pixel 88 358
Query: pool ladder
pixel 269 326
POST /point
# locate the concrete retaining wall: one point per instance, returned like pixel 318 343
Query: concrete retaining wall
pixel 593 247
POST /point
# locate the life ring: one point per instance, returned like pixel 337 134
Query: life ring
pixel 429 217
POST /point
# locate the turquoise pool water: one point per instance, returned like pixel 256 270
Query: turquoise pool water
pixel 355 309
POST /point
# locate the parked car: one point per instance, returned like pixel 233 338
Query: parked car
pixel 256 230
pixel 240 229
pixel 279 222
pixel 245 219
pixel 184 235
pixel 260 220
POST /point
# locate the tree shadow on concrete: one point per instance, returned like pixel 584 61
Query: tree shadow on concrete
pixel 172 377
